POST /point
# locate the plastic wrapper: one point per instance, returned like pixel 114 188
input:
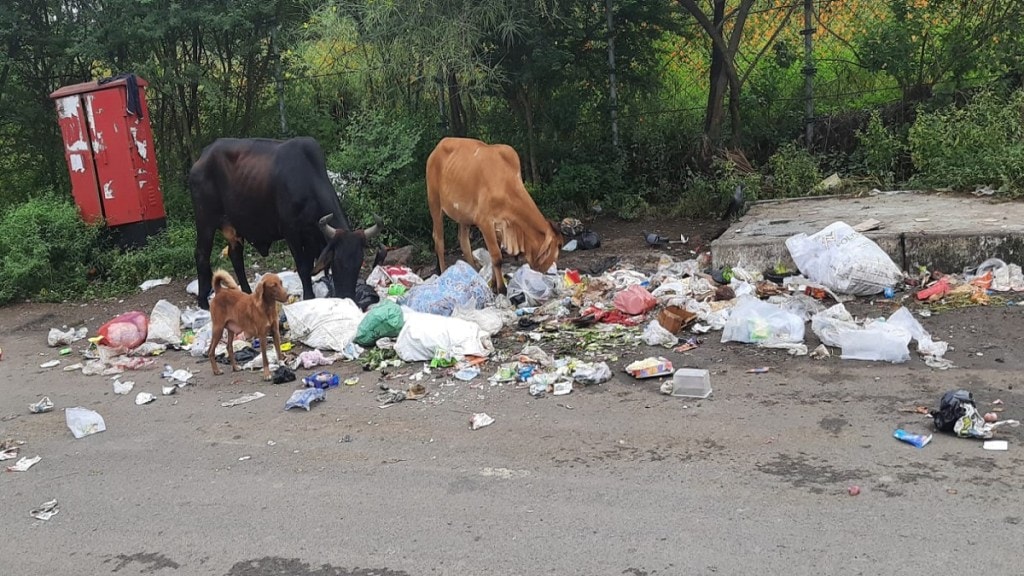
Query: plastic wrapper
pixel 535 287
pixel 588 374
pixel 324 323
pixel 459 285
pixel 83 422
pixel 424 334
pixel 164 324
pixel 305 397
pixel 656 335
pixel 57 337
pixel 635 300
pixel 383 320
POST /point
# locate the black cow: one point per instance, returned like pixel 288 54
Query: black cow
pixel 259 191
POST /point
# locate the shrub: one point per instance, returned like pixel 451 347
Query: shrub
pixel 46 250
pixel 170 253
pixel 879 150
pixel 978 144
pixel 709 195
pixel 795 172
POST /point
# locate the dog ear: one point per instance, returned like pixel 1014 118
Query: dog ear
pixel 258 293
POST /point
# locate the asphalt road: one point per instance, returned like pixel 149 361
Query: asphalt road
pixel 612 479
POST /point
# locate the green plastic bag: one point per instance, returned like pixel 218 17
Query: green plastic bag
pixel 385 320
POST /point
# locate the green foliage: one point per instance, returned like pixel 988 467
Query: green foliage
pixel 708 196
pixel 879 151
pixel 378 157
pixel 981 143
pixel 46 250
pixel 795 172
pixel 170 253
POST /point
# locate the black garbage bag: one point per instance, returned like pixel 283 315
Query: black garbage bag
pixel 952 408
pixel 283 374
pixel 366 296
pixel 589 240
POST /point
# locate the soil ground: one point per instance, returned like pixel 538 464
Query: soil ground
pixel 611 479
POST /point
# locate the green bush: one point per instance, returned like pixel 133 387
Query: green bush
pixel 981 143
pixel 709 195
pixel 878 151
pixel 46 251
pixel 795 172
pixel 577 186
pixel 170 253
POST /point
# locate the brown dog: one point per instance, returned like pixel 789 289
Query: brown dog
pixel 255 314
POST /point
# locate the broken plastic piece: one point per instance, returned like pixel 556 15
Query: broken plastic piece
pixel 479 420
pixel 45 511
pixel 24 464
pixel 243 399
pixel 44 405
pixel 305 397
pixel 918 440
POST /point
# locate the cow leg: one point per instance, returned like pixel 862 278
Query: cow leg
pixel 494 248
pixel 204 244
pixel 438 217
pixel 467 248
pixel 304 257
pixel 237 255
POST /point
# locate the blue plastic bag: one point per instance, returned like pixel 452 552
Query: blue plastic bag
pixel 304 397
pixel 322 380
pixel 459 286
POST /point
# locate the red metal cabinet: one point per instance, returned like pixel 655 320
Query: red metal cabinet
pixel 108 145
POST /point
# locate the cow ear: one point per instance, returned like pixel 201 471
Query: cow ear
pixel 324 260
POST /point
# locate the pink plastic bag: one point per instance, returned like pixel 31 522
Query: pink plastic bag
pixel 635 300
pixel 127 331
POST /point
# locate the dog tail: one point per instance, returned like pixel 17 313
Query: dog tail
pixel 221 279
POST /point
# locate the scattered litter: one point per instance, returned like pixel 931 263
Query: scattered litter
pixel 958 414
pixel 125 331
pixel 590 374
pixel 322 380
pixel 667 388
pixel 918 440
pixel 282 374
pixel 468 373
pixel 305 397
pixel 561 387
pixel 123 387
pixel 844 260
pixel 9 453
pixel 50 364
pixel 43 405
pixel 650 367
pixel 479 420
pixel 144 398
pixel 168 390
pixel 24 463
pixel 853 490
pixel 57 337
pixel 164 325
pixel 180 375
pixel 687 345
pixel 45 511
pixel 83 422
pixel 73 367
pixel 997 402
pixel 352 381
pixel 996 445
pixel 244 458
pixel 154 283
pixel 761 370
pixel 313 358
pixel 243 399
pixel 656 335
pixel 821 352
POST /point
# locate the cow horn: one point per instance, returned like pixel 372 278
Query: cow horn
pixel 374 231
pixel 326 228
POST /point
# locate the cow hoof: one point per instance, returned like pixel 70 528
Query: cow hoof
pixel 217 372
pixel 267 376
pixel 236 369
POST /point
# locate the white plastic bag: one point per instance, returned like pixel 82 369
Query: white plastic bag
pixel 830 323
pixel 324 323
pixel 490 319
pixel 758 322
pixel 844 260
pixel 878 341
pixel 424 334
pixel 536 287
pixel 83 422
pixel 656 335
pixel 289 279
pixel 165 324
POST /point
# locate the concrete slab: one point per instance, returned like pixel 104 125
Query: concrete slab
pixel 943 231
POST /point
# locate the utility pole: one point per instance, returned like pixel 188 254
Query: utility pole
pixel 809 70
pixel 613 94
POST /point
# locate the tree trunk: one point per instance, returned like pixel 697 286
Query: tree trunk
pixel 718 82
pixel 531 137
pixel 456 111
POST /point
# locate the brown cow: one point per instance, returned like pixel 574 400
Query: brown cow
pixel 481 185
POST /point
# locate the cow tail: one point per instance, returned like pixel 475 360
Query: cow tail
pixel 223 279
